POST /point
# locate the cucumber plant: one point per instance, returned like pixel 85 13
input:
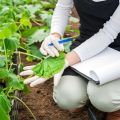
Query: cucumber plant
pixel 19 21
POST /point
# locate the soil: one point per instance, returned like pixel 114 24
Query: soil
pixel 40 101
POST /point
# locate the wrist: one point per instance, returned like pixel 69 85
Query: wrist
pixel 75 58
pixel 56 35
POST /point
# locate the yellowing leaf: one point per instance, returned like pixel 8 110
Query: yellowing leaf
pixel 25 22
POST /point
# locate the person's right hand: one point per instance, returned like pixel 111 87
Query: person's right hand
pixel 51 50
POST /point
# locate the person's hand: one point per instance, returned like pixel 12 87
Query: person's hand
pixel 35 80
pixel 51 50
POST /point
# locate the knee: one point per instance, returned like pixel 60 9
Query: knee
pixel 69 94
pixel 101 99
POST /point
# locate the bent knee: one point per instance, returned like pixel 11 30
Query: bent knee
pixel 103 100
pixel 70 94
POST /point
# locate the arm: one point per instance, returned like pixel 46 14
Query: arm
pixel 102 39
pixel 58 25
pixel 61 16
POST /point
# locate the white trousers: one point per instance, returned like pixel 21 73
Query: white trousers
pixel 73 92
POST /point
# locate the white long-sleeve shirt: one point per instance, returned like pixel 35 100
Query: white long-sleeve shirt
pixel 98 41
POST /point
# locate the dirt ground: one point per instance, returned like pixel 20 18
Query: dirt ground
pixel 42 105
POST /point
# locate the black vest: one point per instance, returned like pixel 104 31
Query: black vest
pixel 92 17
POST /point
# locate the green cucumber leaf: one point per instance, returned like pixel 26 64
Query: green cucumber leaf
pixel 38 36
pixel 50 66
pixel 3 114
pixel 46 17
pixel 7 30
pixel 5 103
pixel 3 73
pixel 26 22
pixel 12 43
pixel 15 82
pixel 12 81
pixel 34 51
pixel 2 61
pixel 29 32
pixel 33 9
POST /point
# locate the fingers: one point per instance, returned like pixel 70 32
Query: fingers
pixel 28 67
pixel 60 47
pixel 35 80
pixel 29 80
pixel 55 40
pixel 55 51
pixel 27 72
pixel 43 51
pixel 38 81
pixel 51 50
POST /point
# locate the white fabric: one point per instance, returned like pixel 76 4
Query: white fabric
pixel 103 67
pixel 51 50
pixel 98 0
pixel 61 16
pixel 57 76
pixel 96 43
pixel 102 39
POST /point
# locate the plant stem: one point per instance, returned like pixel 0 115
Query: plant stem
pixel 36 23
pixel 28 55
pixel 22 48
pixel 5 54
pixel 14 97
pixel 19 58
pixel 10 66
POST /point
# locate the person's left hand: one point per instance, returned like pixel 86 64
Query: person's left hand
pixel 35 80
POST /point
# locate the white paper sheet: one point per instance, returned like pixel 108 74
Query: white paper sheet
pixel 103 67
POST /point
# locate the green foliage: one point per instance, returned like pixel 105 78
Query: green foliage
pixel 7 30
pixel 20 20
pixel 38 36
pixel 23 23
pixel 33 50
pixel 3 114
pixel 67 47
pixel 3 73
pixel 5 103
pixel 2 61
pixel 50 66
pixel 12 82
pixel 29 32
pixel 12 43
pixel 46 17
